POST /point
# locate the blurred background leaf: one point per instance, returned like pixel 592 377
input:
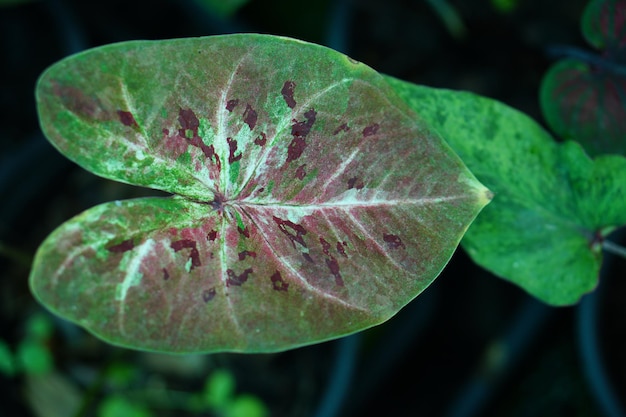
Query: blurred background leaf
pixel 583 97
pixel 219 388
pixel 118 406
pixel 246 406
pixel 52 395
pixel 604 26
pixel 7 363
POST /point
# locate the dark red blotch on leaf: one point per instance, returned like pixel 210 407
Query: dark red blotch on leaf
pixel 277 282
pixel 287 92
pixel 194 255
pixel 237 280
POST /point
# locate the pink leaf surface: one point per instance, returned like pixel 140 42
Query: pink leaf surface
pixel 310 201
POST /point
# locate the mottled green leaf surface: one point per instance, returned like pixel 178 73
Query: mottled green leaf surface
pixel 310 202
pixel 553 205
pixel 585 99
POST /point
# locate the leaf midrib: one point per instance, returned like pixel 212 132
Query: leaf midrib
pixel 366 203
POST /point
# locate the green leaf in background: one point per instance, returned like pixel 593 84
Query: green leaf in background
pixel 310 201
pixel 117 405
pixel 219 396
pixel 34 357
pixel 553 205
pixel 120 375
pixel 33 354
pixel 223 8
pixel 219 389
pixel 8 366
pixel 246 406
pixel 39 326
pixel 585 100
pixel 604 26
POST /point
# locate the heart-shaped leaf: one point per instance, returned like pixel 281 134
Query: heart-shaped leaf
pixel 604 25
pixel 553 205
pixel 585 99
pixel 310 201
pixel 587 104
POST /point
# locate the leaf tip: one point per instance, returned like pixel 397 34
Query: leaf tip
pixel 483 194
pixel 487 195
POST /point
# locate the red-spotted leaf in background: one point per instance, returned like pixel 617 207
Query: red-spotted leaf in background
pixel 604 26
pixel 585 99
pixel 309 201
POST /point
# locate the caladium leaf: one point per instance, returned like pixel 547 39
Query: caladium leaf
pixel 604 25
pixel 587 104
pixel 553 205
pixel 309 200
pixel 585 100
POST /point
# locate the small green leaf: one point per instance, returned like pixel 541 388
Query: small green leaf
pixel 116 406
pixel 7 363
pixel 219 389
pixel 120 374
pixel 553 205
pixel 246 406
pixel 39 327
pixel 310 201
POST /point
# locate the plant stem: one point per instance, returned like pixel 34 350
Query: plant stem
pixel 613 248
pixel 565 51
pixel 594 365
